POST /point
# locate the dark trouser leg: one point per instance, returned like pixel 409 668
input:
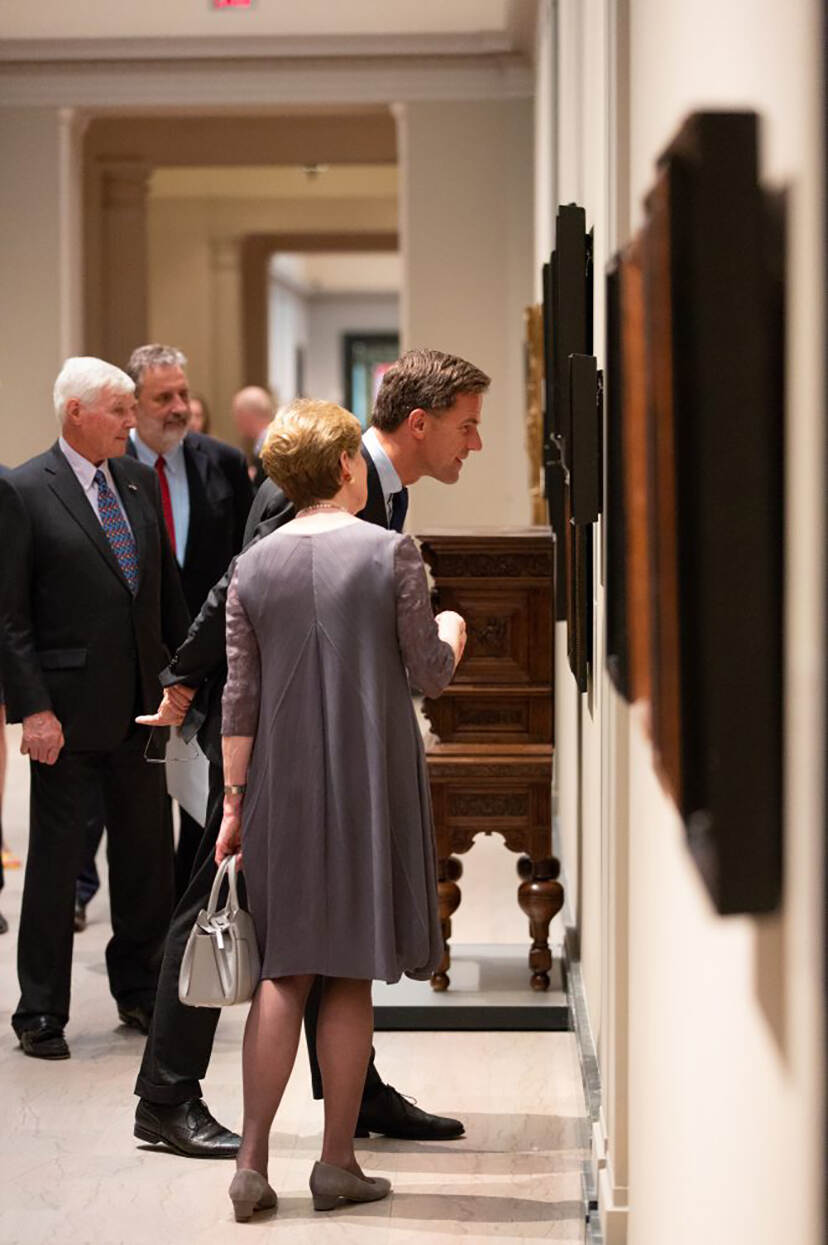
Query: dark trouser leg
pixel 61 797
pixel 140 856
pixel 181 1038
pixel 189 840
pixel 373 1080
pixel 89 883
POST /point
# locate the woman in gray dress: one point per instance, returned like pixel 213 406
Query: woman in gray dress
pixel 327 790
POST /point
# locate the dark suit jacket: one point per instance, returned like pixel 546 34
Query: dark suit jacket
pixel 220 499
pixel 77 641
pixel 201 659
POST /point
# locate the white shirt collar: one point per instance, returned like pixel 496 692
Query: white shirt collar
pixel 82 467
pixel 173 460
pixel 387 472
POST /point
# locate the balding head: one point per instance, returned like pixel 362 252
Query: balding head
pixel 252 411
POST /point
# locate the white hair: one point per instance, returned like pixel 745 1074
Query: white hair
pixel 84 378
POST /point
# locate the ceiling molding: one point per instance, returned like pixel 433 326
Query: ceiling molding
pixel 263 83
pixel 241 47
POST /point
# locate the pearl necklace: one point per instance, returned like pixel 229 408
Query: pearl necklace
pixel 322 505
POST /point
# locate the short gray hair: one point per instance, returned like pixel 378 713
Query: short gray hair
pixel 84 378
pixel 155 355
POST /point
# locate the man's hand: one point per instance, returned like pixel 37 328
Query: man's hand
pixel 173 708
pixel 42 737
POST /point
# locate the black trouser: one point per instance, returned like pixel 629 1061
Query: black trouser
pixel 88 882
pixel 189 841
pixel 139 851
pixel 189 838
pixel 181 1038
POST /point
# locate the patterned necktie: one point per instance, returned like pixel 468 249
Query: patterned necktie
pixel 166 500
pixel 399 509
pixel 117 532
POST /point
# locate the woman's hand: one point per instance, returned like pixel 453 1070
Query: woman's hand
pixel 229 836
pixel 451 627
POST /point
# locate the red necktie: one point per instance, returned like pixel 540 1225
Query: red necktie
pixel 166 500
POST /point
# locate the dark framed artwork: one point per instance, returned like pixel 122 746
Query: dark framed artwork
pixel 664 612
pixel 634 441
pixel 553 472
pixel 615 510
pixel 585 421
pixel 728 416
pixel 365 359
pixel 579 600
pixel 571 281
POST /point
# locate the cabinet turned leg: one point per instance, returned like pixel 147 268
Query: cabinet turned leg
pixel 449 871
pixel 540 898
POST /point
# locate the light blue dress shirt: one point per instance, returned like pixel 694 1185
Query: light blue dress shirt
pixel 176 471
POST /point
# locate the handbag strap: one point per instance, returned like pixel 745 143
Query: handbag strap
pixel 227 869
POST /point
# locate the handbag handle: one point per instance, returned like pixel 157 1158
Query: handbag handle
pixel 227 869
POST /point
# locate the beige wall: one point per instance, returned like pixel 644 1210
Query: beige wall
pixel 466 242
pixel 712 1065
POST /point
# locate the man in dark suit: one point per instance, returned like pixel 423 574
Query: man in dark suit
pixel 425 423
pixel 206 495
pixel 91 607
pixel 205 480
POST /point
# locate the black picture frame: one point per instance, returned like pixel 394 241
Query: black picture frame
pixel 571 314
pixel 375 347
pixel 615 510
pixel 729 416
pixel 585 422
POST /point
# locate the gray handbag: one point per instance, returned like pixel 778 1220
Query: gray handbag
pixel 221 963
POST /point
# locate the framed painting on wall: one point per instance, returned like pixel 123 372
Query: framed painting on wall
pixel 366 359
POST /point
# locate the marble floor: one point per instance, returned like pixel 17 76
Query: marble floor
pixel 71 1171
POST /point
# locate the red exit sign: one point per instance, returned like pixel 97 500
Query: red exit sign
pixel 232 4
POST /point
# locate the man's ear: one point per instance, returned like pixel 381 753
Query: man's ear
pixel 73 407
pixel 417 422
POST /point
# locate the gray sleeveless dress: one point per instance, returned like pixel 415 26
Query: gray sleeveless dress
pixel 336 828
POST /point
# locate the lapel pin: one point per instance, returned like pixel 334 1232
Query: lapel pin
pixel 133 488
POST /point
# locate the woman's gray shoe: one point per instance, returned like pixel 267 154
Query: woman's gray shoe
pixel 329 1184
pixel 188 1128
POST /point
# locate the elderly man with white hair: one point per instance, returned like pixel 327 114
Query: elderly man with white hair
pixel 91 608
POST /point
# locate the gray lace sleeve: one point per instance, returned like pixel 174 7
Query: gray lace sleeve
pixel 428 659
pixel 240 703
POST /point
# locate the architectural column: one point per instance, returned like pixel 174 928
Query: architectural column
pixel 467 257
pixel 123 272
pixel 226 368
pixel 40 247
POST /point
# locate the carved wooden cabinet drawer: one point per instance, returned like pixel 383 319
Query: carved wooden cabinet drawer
pixel 501 582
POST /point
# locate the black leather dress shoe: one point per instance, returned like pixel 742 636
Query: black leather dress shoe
pixel 389 1113
pixel 137 1017
pixel 4 925
pixel 44 1040
pixel 188 1128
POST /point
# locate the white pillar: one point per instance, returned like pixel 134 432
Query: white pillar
pixel 40 262
pixel 124 269
pixel 466 211
pixel 225 329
